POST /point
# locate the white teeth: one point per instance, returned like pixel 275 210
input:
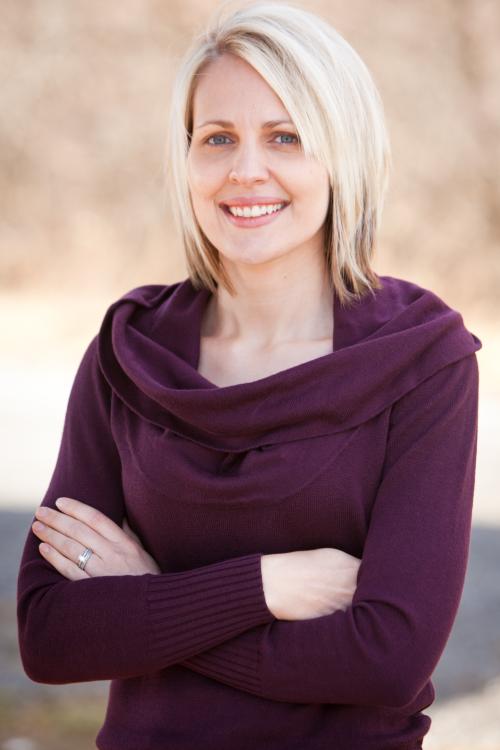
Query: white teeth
pixel 255 210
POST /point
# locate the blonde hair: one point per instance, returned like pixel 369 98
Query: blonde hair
pixel 336 109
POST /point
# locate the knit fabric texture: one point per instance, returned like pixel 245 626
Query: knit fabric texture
pixel 369 449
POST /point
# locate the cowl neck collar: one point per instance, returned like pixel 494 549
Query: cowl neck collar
pixel 383 346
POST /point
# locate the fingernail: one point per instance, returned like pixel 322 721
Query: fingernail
pixel 61 502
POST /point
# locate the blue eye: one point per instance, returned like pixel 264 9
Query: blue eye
pixel 215 136
pixel 211 142
pixel 288 135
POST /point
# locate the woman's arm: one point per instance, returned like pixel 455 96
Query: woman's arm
pixel 383 649
pixel 120 625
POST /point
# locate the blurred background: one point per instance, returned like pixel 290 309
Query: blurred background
pixel 85 218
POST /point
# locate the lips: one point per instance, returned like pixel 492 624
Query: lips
pixel 251 222
pixel 252 201
pixel 225 208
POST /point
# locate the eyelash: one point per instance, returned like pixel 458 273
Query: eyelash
pixel 221 135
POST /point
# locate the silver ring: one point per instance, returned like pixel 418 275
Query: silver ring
pixel 84 557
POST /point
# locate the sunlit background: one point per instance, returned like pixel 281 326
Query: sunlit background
pixel 85 218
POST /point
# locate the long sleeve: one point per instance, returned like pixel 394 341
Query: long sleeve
pixel 120 626
pixel 383 649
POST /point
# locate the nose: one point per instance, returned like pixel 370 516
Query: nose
pixel 248 165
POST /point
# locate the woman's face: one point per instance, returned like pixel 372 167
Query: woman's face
pixel 246 159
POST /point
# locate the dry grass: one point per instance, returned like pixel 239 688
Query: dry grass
pixel 51 722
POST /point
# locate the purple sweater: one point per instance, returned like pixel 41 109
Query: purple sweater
pixel 369 449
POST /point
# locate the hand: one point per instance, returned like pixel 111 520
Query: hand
pixel 116 551
pixel 305 584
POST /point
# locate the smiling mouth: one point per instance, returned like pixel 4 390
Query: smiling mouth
pixel 269 207
pixel 262 218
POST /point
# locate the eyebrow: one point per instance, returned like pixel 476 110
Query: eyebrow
pixel 229 124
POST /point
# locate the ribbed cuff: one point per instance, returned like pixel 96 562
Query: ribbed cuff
pixel 195 610
pixel 235 663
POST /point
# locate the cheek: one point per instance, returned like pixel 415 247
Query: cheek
pixel 306 179
pixel 316 190
pixel 204 177
pixel 203 193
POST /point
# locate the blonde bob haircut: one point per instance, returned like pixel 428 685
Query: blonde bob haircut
pixel 337 111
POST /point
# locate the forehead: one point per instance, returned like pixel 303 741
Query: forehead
pixel 231 89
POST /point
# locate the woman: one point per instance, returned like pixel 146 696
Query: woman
pixel 268 466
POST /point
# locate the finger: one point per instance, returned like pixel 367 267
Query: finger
pixel 91 517
pixel 63 545
pixel 73 529
pixel 62 564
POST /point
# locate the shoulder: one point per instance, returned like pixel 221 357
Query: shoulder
pixel 142 307
pixel 404 306
pixel 402 314
pixel 396 295
pixel 144 334
pixel 445 367
pixel 392 341
pixel 134 304
pixel 145 295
